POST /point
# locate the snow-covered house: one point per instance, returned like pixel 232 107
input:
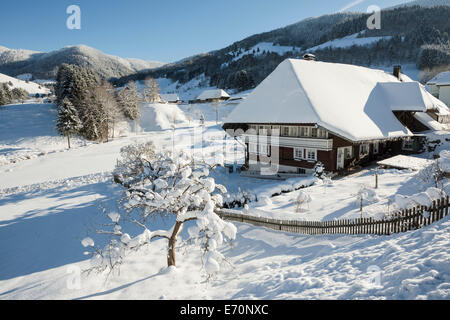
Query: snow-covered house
pixel 338 114
pixel 170 98
pixel 439 87
pixel 213 95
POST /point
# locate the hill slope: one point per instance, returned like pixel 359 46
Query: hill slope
pixel 30 87
pixel 45 65
pixel 409 35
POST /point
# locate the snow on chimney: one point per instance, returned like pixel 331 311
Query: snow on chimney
pixel 309 57
pixel 398 72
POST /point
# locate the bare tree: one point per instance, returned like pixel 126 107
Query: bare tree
pixel 109 111
pixel 151 91
pixel 130 102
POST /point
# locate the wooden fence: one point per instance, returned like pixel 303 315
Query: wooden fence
pixel 401 221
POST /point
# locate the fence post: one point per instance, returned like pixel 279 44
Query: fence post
pixel 433 209
pixel 446 207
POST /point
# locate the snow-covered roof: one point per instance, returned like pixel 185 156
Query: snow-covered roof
pixel 213 94
pixel 430 123
pixel 442 79
pixel 406 162
pixel 410 96
pixel 170 97
pixel 351 101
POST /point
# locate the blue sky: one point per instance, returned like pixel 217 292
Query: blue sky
pixel 162 30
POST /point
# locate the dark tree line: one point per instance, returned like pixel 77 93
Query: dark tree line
pixel 14 95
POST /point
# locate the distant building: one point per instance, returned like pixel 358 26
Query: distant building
pixel 214 95
pixel 439 87
pixel 170 98
pixel 338 114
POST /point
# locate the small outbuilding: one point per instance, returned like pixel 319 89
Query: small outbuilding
pixel 214 95
pixel 439 87
pixel 170 98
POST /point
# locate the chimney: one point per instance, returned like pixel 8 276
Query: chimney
pixel 309 57
pixel 398 72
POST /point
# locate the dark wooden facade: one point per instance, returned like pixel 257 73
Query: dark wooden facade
pixel 386 148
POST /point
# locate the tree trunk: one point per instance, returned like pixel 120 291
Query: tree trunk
pixel 172 242
pixel 68 139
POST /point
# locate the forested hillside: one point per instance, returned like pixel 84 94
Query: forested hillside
pixel 414 34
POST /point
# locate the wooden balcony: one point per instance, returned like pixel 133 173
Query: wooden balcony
pixel 291 142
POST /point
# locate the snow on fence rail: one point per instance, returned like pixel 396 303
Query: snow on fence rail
pixel 405 220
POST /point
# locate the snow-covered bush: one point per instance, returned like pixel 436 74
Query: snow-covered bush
pixel 319 173
pixel 366 195
pixel 425 199
pixel 444 161
pixel 130 169
pixel 436 172
pixel 319 170
pixel 173 186
pixel 303 198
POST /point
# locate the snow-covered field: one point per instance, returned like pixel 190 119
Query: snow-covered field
pixel 49 202
pixel 349 41
pixel 28 131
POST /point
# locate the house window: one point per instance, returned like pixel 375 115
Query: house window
pixel 264 149
pixel 253 148
pixel 253 129
pixel 263 131
pixel 301 171
pixel 322 133
pixel 314 132
pixel 275 130
pixel 363 150
pixel 408 144
pixel 292 131
pixel 285 131
pixel 348 153
pixel 303 131
pixel 298 153
pixel 311 154
pixel 376 148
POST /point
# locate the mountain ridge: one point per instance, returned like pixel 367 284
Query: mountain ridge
pixel 44 65
pixel 410 34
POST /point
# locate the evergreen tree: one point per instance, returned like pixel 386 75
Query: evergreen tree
pixel 64 83
pixel 68 121
pixel 6 96
pixel 19 94
pixel 3 96
pixel 243 81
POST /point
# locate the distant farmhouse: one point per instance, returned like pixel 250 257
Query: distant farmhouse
pixel 214 95
pixel 170 98
pixel 439 87
pixel 341 115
